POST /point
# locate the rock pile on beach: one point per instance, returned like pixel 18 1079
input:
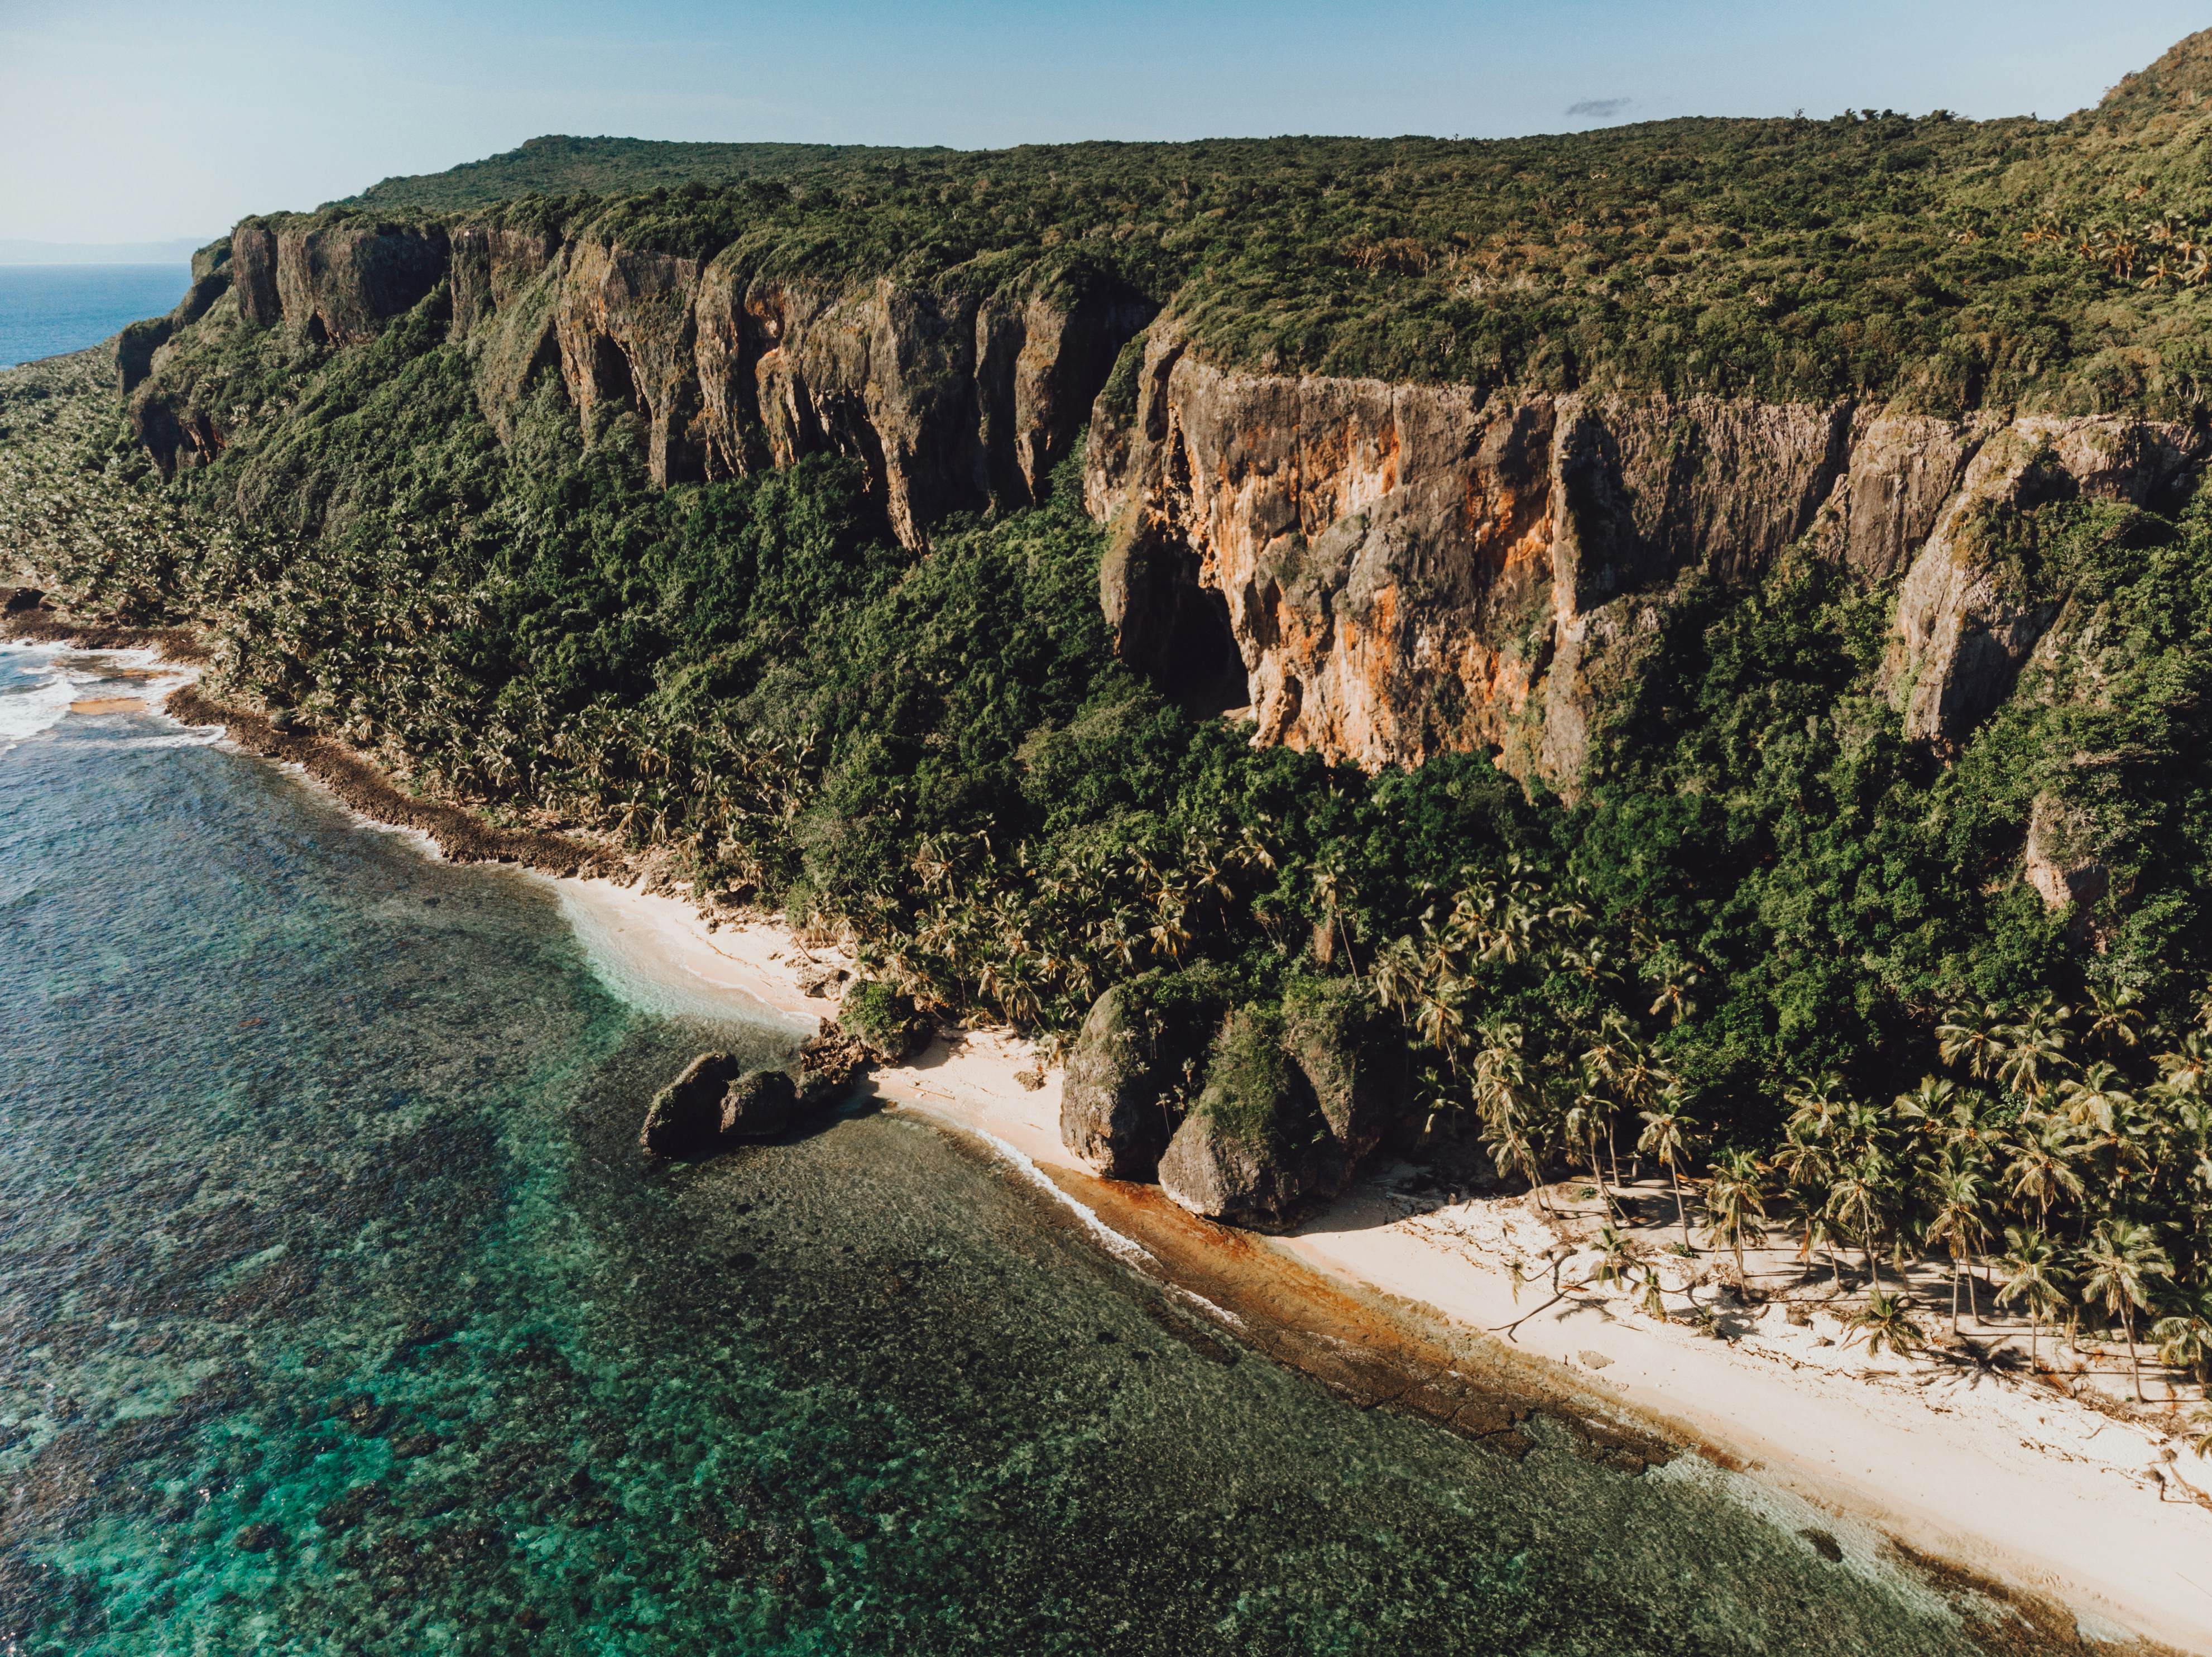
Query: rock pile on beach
pixel 1245 1113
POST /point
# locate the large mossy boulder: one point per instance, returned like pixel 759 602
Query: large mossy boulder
pixel 1358 1070
pixel 1139 1058
pixel 1256 1147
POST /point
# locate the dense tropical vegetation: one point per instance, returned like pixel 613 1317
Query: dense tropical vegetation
pixel 1777 951
pixel 1950 263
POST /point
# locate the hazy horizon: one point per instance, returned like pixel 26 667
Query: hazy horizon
pixel 263 108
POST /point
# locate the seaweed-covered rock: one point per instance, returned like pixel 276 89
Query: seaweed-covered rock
pixel 1138 1058
pixel 759 1105
pixel 882 1021
pixel 685 1118
pixel 1255 1146
pixel 1358 1073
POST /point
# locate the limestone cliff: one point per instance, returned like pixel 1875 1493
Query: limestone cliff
pixel 951 400
pixel 1407 570
pixel 1382 572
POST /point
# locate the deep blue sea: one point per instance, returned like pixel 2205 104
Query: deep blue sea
pixel 340 1314
pixel 48 309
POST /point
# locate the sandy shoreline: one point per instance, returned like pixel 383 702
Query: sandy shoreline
pixel 2001 1476
pixel 2011 1481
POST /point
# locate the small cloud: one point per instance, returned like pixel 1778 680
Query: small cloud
pixel 1599 109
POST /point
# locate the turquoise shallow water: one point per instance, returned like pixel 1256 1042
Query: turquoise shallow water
pixel 339 1314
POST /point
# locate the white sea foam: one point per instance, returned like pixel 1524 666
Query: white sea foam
pixel 60 676
pixel 27 710
pixel 1128 1248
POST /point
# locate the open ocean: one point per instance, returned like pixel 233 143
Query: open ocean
pixel 48 309
pixel 339 1313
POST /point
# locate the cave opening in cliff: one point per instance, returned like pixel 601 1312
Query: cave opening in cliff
pixel 1198 663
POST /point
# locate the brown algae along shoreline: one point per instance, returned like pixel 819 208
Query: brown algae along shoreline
pixel 1366 1339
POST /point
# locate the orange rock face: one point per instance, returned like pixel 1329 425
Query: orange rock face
pixel 1409 571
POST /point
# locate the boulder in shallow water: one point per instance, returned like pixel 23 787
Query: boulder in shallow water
pixel 685 1118
pixel 759 1105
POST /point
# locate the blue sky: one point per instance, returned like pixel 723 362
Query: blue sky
pixel 128 121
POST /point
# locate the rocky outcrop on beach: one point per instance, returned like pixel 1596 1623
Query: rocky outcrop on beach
pixel 1136 1064
pixel 1242 1113
pixel 882 1022
pixel 1256 1145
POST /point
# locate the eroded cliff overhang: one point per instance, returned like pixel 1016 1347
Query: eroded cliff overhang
pixel 951 400
pixel 1410 571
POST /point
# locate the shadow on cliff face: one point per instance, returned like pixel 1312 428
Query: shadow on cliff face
pixel 1170 627
pixel 1199 665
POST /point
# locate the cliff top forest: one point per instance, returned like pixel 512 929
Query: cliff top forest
pixel 1949 263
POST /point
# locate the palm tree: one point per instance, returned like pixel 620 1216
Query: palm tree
pixel 2184 1338
pixel 1972 1037
pixel 1808 1217
pixel 1957 1224
pixel 2098 1098
pixel 2122 1256
pixel 2031 1276
pixel 2035 1049
pixel 1734 1205
pixel 1613 1258
pixel 1886 1322
pixel 2116 1019
pixel 2041 1168
pixel 1858 1198
pixel 1666 1136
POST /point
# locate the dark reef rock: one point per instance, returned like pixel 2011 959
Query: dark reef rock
pixel 713 1106
pixel 685 1118
pixel 759 1105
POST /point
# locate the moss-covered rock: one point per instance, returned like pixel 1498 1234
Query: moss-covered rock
pixel 1136 1063
pixel 1357 1068
pixel 882 1020
pixel 1256 1146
